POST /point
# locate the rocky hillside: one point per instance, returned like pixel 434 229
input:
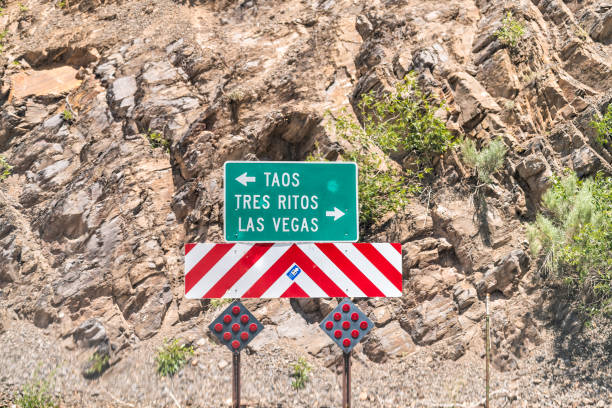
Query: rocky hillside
pixel 118 115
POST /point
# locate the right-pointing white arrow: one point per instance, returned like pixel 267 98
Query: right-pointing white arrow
pixel 244 179
pixel 336 213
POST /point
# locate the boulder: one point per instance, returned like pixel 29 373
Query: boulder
pixel 56 81
pixel 502 277
pixel 432 320
pixel 426 283
pixel 327 305
pixel 465 295
pixel 535 170
pixel 308 305
pixel 371 54
pixel 381 316
pixel 499 76
pixel 388 341
pixel 531 166
pixel 363 26
pixel 147 309
pixel 90 333
pixel 121 95
pixel 429 58
pixel 473 99
pixel 585 161
pixel 68 217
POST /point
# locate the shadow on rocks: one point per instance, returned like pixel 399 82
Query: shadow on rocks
pixel 582 346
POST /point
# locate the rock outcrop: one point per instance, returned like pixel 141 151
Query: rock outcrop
pixel 94 217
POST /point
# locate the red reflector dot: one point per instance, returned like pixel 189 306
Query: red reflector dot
pixel 329 325
pixel 337 316
pixel 346 307
pixel 355 334
pixel 244 336
pixel 354 317
pixel 218 327
pixel 253 327
pixel 346 342
pixel 235 327
pixel 235 344
pixel 236 310
pixel 227 336
pixel 244 319
pixel 346 325
pixel 337 334
pixel 227 318
pixel 363 325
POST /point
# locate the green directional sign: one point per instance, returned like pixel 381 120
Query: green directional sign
pixel 291 202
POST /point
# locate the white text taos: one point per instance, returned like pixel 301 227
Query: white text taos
pixel 284 180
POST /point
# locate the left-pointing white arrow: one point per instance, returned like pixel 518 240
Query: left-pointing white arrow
pixel 336 213
pixel 244 179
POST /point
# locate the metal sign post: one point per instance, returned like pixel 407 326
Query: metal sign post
pixel 347 326
pixel 235 327
pixel 236 380
pixel 346 381
pixel 290 202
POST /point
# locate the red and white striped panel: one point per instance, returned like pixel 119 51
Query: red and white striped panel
pixel 269 270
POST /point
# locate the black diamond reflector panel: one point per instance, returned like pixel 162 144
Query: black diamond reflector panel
pixel 346 325
pixel 236 327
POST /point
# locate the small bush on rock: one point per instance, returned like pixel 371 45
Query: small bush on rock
pixel 301 369
pixel 98 362
pixel 215 303
pixel 67 116
pixel 171 357
pixel 401 122
pixel 156 139
pixel 603 126
pixel 5 168
pixel 511 31
pixel 573 234
pixel 405 120
pixel 3 35
pixel 486 161
pixel 37 394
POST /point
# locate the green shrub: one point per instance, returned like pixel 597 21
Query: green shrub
pixel 5 168
pixel 486 161
pixel 23 8
pixel 574 237
pixel 301 369
pixel 62 4
pixel 67 116
pixel 37 394
pixel 156 139
pixel 3 35
pixel 511 31
pixel 403 121
pixel 215 303
pixel 603 126
pixel 99 363
pixel 171 357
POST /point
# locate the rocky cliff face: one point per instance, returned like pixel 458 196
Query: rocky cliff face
pixel 93 219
